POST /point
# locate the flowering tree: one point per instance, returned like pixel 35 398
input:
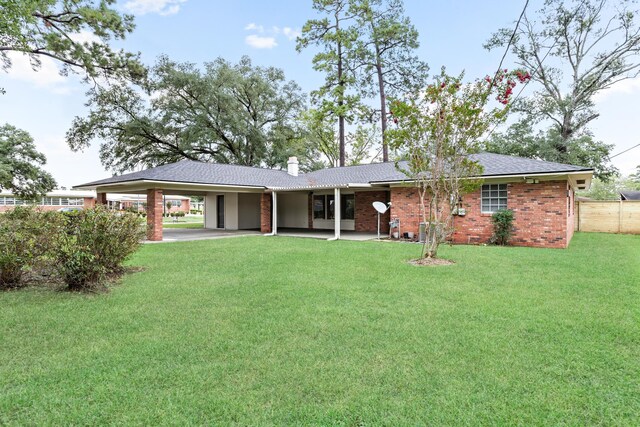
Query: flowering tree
pixel 437 130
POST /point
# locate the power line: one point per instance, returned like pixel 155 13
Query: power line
pixel 622 152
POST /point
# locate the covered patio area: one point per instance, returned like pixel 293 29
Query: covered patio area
pixel 247 200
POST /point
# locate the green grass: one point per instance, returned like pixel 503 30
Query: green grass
pixel 183 225
pixel 274 330
pixel 184 222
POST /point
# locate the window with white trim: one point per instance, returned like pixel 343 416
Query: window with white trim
pixel 324 206
pixel 494 198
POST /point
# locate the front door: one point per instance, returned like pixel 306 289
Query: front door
pixel 220 209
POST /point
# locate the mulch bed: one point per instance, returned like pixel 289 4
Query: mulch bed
pixel 429 262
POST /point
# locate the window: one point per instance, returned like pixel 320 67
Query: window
pixel 318 207
pixel 494 197
pixel 347 206
pixel 331 208
pixel 324 206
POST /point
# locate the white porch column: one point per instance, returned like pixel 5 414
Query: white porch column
pixel 274 215
pixel 336 211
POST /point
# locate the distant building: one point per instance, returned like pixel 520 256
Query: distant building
pixel 53 201
pixel 59 199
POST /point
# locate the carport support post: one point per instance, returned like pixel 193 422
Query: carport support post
pixel 274 206
pixel 101 199
pixel 336 211
pixel 154 215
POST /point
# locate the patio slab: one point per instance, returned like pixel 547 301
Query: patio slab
pixel 189 234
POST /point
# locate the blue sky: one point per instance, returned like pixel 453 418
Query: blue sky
pixel 451 34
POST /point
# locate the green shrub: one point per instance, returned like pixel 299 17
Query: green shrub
pixel 502 227
pixel 94 243
pixel 27 237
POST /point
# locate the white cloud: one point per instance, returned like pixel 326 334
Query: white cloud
pixel 46 76
pixel 254 27
pixel 161 7
pixel 260 42
pixel 269 41
pixel 84 37
pixel 624 87
pixel 290 33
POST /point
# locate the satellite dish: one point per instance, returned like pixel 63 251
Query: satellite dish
pixel 380 207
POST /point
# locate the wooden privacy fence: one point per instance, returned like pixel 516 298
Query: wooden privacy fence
pixel 608 216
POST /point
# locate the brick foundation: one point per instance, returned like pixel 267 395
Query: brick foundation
pixel 543 214
pixel 366 217
pixel 154 215
pixel 265 213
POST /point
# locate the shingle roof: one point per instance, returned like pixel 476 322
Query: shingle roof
pixel 630 195
pixel 501 165
pixel 188 171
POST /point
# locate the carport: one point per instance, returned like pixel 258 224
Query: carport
pixel 241 198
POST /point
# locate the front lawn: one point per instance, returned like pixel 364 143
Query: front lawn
pixel 273 330
pixel 189 221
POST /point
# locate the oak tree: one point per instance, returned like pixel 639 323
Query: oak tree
pixel 21 165
pixel 226 113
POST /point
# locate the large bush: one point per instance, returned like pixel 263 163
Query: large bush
pixel 83 247
pixel 502 227
pixel 27 237
pixel 94 243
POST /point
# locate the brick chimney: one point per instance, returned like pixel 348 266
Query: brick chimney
pixel 292 166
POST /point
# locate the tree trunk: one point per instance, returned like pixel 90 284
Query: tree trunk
pixel 341 136
pixel 383 114
pixel 565 132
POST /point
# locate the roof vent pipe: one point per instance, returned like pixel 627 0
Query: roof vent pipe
pixel 292 166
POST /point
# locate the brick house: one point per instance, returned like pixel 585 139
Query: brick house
pixel 53 201
pixel 540 193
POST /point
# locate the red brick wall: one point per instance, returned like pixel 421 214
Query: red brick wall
pixel 265 213
pixel 154 214
pixel 540 214
pixel 405 204
pixel 101 199
pixel 366 217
